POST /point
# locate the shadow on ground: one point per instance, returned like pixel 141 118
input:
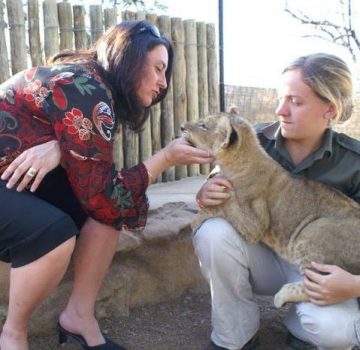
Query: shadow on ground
pixel 179 324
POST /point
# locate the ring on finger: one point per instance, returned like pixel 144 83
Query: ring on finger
pixel 31 172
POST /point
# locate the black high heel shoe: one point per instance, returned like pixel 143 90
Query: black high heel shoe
pixel 65 335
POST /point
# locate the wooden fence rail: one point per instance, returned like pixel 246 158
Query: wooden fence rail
pixel 25 42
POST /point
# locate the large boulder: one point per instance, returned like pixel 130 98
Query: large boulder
pixel 151 266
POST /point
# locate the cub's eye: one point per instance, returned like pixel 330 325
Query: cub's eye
pixel 203 126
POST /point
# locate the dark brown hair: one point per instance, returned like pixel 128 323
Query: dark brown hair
pixel 119 57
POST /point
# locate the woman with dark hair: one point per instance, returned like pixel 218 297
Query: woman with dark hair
pixel 69 110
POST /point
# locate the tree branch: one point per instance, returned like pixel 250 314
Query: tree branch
pixel 343 34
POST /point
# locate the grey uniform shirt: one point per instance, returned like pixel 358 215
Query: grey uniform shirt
pixel 336 163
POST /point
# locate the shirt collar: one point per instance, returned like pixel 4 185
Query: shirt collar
pixel 272 132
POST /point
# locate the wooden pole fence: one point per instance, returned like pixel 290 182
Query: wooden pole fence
pixel 192 93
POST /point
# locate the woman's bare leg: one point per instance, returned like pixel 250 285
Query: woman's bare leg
pixel 95 249
pixel 29 286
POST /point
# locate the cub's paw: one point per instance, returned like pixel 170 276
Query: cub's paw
pixel 280 299
pixel 290 292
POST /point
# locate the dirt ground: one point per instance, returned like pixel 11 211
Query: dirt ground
pixel 180 324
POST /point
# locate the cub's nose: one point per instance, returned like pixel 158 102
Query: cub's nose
pixel 182 127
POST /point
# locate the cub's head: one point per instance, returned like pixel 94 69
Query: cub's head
pixel 219 132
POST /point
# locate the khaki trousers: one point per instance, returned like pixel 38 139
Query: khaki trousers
pixel 237 270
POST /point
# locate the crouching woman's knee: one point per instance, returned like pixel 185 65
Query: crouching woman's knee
pixel 330 327
pixel 215 232
pixel 214 239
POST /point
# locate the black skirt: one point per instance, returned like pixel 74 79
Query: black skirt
pixel 33 224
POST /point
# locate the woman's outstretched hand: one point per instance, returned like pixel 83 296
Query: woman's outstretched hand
pixel 176 152
pixel 32 165
pixel 180 152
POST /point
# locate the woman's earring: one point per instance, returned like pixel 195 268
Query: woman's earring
pixel 329 117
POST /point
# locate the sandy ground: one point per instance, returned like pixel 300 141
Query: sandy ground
pixel 180 324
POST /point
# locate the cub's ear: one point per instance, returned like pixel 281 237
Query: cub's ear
pixel 234 110
pixel 229 133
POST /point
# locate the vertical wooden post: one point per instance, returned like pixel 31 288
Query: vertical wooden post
pixel 66 25
pixel 96 22
pixel 51 28
pixel 130 138
pixel 202 79
pixel 145 149
pixel 16 19
pixel 128 15
pixel 118 153
pixel 140 15
pixel 81 39
pixel 4 59
pixel 145 146
pixel 191 79
pixel 34 33
pixel 110 17
pixel 110 20
pixel 131 147
pixel 213 77
pixel 179 83
pixel 155 112
pixel 167 104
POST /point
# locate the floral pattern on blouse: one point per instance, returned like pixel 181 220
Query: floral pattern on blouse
pixel 72 104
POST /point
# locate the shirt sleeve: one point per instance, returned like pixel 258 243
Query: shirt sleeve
pixel 346 152
pixel 356 188
pixel 80 109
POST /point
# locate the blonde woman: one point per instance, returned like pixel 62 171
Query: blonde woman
pixel 316 92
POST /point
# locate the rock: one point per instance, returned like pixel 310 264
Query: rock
pixel 152 266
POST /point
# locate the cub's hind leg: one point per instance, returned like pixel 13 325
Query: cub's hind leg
pixel 309 243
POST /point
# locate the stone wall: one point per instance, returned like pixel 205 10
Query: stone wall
pixel 259 104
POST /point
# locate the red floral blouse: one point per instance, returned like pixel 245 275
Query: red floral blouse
pixel 72 104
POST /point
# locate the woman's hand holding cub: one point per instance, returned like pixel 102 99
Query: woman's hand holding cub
pixel 215 191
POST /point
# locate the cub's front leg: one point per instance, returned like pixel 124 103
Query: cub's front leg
pixel 200 218
pixel 290 293
pixel 219 211
pixel 250 218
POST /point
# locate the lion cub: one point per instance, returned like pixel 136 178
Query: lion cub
pixel 300 219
